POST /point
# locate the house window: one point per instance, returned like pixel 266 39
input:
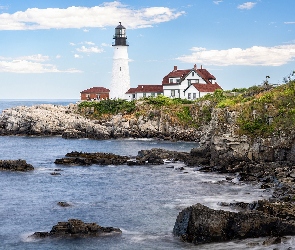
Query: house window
pixel 193 73
pixel 189 96
pixel 171 80
pixel 194 96
pixel 152 94
pixel 144 94
pixel 172 92
pixel 197 80
pixel 177 80
pixel 133 96
pixel 189 82
pixel 120 68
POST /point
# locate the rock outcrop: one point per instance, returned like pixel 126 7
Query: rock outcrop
pixel 155 156
pixel 50 120
pixel 199 224
pixel 86 159
pixel 15 165
pixel 76 228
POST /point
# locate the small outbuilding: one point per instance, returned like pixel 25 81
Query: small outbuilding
pixel 95 93
pixel 144 91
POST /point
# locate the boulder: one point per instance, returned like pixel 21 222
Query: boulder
pixel 15 165
pixel 86 159
pixel 199 224
pixel 76 228
pixel 63 204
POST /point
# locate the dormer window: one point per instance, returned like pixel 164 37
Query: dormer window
pixel 171 80
pixel 177 80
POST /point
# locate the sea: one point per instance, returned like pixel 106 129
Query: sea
pixel 143 201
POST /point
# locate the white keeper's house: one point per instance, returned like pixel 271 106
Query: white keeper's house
pixel 189 83
pixel 179 83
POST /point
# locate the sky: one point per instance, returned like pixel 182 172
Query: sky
pixel 55 49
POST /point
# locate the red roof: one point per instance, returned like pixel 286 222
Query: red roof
pixel 182 73
pixel 146 89
pixel 206 87
pixel 175 74
pixel 131 91
pixel 96 90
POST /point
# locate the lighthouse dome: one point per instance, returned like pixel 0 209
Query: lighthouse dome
pixel 120 26
pixel 120 36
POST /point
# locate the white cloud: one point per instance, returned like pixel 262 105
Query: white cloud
pixel 218 2
pixel 247 6
pixel 35 58
pixel 84 49
pixel 256 55
pixel 86 17
pixel 78 56
pixel 90 43
pixel 30 64
pixel 72 44
pixel 289 22
pixel 106 45
pixel 24 66
pixel 58 56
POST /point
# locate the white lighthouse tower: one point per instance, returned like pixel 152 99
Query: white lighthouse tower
pixel 120 75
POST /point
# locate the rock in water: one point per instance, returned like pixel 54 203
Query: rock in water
pixel 76 228
pixel 199 224
pixel 15 165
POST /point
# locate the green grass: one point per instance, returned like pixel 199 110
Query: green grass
pixel 262 110
pixel 110 107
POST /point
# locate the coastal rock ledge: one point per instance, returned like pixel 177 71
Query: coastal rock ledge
pixel 15 165
pixel 199 224
pixel 76 228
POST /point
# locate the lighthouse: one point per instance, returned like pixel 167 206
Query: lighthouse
pixel 120 74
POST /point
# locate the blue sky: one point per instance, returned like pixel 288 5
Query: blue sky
pixel 55 49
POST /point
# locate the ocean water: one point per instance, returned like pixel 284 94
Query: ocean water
pixel 143 201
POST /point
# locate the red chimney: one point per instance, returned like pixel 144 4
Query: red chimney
pixel 175 67
pixel 201 66
pixel 195 66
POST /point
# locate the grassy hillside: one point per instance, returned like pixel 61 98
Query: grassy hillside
pixel 263 110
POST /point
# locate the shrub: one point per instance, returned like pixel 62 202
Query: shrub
pixel 110 106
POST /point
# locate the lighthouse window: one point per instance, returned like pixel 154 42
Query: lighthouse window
pixel 120 68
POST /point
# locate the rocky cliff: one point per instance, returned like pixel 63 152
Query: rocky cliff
pixel 228 147
pixel 50 120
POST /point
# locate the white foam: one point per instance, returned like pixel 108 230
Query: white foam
pixel 25 237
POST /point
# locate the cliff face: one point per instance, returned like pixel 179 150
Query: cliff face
pixel 66 121
pixel 227 146
pixel 221 135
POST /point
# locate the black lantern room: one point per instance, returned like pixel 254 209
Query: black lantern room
pixel 120 36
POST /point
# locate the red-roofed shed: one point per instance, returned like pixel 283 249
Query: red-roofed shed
pixel 95 93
